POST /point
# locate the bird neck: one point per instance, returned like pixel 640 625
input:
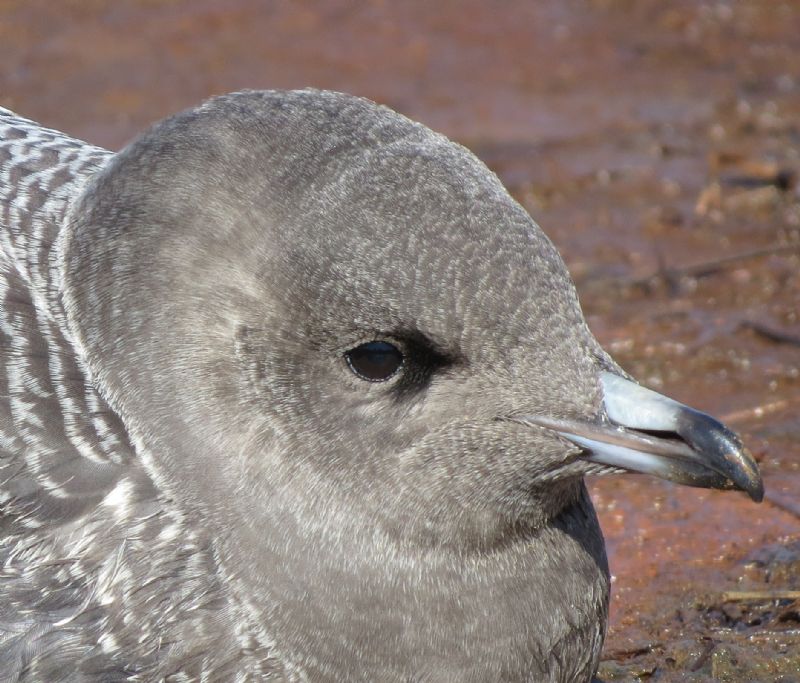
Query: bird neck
pixel 362 601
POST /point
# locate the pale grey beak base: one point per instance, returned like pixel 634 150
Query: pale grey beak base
pixel 650 433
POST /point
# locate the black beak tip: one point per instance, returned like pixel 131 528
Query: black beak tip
pixel 723 450
pixel 755 489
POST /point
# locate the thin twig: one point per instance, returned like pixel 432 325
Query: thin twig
pixel 771 333
pixel 715 265
pixel 752 596
pixel 630 652
pixel 757 412
pixel 783 502
pixel 672 275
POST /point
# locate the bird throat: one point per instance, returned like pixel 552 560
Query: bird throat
pixel 436 615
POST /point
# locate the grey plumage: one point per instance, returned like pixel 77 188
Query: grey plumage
pixel 194 484
pixel 81 521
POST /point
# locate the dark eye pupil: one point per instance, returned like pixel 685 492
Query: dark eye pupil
pixel 375 361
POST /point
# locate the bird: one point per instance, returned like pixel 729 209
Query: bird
pixel 293 390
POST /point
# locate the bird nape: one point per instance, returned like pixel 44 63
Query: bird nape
pixel 293 389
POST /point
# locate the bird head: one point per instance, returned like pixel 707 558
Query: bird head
pixel 325 324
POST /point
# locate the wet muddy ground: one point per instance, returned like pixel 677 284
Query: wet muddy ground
pixel 658 144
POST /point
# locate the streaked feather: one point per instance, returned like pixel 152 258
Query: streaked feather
pixel 99 578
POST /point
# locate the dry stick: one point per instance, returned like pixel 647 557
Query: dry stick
pixel 715 265
pixel 770 333
pixel 746 596
pixel 783 502
pixel 757 412
pixel 630 652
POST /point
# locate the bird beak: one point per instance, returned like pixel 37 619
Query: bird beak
pixel 644 431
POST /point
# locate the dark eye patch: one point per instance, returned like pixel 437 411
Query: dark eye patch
pixel 375 361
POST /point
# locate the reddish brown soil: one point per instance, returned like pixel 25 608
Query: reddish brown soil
pixel 658 143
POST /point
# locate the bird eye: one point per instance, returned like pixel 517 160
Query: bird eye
pixel 375 361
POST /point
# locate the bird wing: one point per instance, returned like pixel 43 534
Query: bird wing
pixel 101 578
pixel 63 448
pixel 63 451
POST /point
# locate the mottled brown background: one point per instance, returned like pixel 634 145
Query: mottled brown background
pixel 656 142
